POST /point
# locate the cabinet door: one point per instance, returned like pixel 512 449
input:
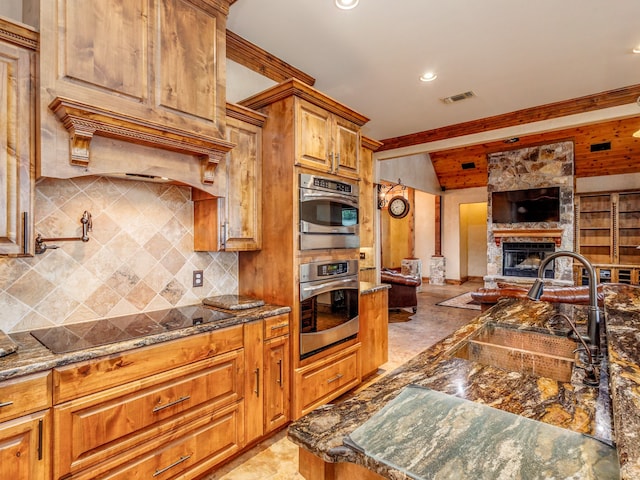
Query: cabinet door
pixel 24 447
pixel 17 113
pixel 243 206
pixel 313 136
pixel 276 383
pixel 253 388
pixel 374 337
pixel 346 148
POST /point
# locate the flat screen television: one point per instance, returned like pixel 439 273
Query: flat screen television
pixel 531 205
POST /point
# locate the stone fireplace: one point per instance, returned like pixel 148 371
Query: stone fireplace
pixel 529 168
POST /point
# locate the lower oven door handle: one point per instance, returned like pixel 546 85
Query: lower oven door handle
pixel 307 291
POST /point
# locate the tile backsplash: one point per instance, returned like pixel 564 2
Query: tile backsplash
pixel 139 257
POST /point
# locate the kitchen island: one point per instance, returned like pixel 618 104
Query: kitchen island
pixel 570 405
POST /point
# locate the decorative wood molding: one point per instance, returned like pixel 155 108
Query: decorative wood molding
pixel 255 58
pixel 610 98
pixel 370 143
pixel 293 86
pixel 84 121
pixel 245 114
pixel 19 35
pixel 554 233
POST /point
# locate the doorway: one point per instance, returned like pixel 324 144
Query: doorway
pixel 473 240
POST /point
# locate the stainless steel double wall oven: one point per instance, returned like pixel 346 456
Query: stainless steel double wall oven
pixel 329 289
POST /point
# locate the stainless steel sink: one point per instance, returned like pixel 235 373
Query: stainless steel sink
pixel 533 353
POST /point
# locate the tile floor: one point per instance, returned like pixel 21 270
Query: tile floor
pixel 277 457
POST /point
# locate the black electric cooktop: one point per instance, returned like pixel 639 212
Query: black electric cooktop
pixel 80 336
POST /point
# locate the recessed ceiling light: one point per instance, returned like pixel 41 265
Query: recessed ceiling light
pixel 347 4
pixel 636 50
pixel 428 77
pixel 636 134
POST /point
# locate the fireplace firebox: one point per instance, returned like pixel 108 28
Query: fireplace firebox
pixel 522 259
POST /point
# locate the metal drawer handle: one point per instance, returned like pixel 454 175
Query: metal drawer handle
pixel 280 372
pixel 278 327
pixel 184 458
pixel 171 404
pixel 337 377
pixel 257 390
pixel 6 404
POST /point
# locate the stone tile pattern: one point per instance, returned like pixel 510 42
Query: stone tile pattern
pixel 139 257
pixel 535 167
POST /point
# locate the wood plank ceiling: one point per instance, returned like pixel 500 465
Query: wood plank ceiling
pixel 623 156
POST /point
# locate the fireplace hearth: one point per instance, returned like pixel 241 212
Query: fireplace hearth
pixel 522 259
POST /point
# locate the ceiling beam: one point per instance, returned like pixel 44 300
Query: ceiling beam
pixel 610 98
pixel 258 60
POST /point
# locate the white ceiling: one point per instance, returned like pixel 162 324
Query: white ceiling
pixel 513 54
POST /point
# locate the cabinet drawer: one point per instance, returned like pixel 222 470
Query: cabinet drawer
pixel 276 326
pixel 86 430
pixel 23 395
pixel 190 450
pixel 83 378
pixel 320 382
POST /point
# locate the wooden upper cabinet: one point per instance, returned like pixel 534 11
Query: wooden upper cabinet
pixel 368 199
pixel 17 137
pixel 145 71
pixel 325 134
pixel 313 134
pixel 234 223
pixel 326 142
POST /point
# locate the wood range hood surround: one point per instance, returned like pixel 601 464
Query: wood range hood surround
pixel 133 88
pixel 84 121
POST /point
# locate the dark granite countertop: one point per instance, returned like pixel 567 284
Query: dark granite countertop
pixel 31 356
pixel 571 406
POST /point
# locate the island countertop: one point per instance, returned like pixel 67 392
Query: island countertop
pixel 572 406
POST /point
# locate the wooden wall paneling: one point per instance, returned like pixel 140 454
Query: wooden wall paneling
pixel 620 159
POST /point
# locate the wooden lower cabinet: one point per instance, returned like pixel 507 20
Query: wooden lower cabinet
pixel 124 421
pixel 191 450
pixel 25 427
pixel 267 379
pixel 24 447
pixel 169 422
pixel 317 383
pixel 374 330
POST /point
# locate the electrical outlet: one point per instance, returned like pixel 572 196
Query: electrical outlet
pixel 198 278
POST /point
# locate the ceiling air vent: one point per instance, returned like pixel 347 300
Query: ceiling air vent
pixel 458 97
pixel 468 166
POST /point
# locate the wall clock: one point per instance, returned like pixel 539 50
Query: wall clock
pixel 398 207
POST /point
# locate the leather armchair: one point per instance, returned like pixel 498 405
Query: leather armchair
pixel 402 293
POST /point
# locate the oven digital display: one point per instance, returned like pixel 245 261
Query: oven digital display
pixel 328 269
pixel 331 185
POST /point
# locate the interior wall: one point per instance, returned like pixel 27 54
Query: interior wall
pixel 474 216
pixel 397 234
pixel 425 225
pixel 415 171
pixel 451 201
